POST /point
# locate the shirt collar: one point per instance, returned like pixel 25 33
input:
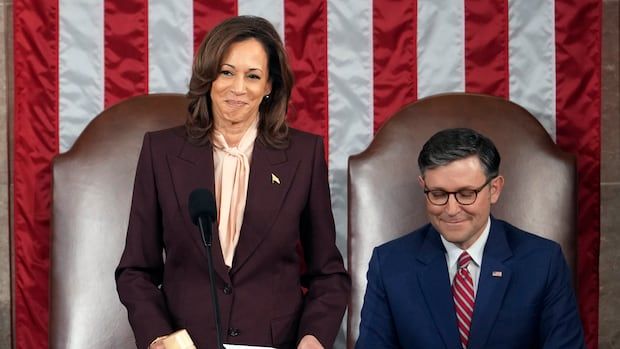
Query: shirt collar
pixel 475 251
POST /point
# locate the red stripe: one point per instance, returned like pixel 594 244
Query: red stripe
pixel 126 49
pixel 463 298
pixel 578 118
pixel 306 44
pixel 486 47
pixel 394 57
pixel 207 14
pixel 35 129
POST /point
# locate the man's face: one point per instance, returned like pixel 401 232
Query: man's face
pixel 458 223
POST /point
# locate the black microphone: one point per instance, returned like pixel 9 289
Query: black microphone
pixel 203 213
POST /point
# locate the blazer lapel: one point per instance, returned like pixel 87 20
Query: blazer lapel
pixel 435 284
pixel 191 169
pixel 492 285
pixel 271 176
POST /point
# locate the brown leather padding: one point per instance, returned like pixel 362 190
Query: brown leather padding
pixel 385 200
pixel 92 189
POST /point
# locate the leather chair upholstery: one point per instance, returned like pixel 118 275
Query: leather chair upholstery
pixel 385 200
pixel 92 189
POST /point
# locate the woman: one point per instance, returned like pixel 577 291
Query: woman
pixel 271 191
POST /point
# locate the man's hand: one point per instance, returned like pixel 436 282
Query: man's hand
pixel 309 342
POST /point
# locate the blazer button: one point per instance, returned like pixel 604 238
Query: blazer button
pixel 227 289
pixel 233 332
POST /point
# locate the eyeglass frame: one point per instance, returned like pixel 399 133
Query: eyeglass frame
pixel 475 191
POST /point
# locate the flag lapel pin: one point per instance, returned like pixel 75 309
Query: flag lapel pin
pixel 275 179
pixel 497 274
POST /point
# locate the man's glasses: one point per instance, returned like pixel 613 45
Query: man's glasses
pixel 463 196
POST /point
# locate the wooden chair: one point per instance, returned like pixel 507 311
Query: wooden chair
pixel 92 189
pixel 385 200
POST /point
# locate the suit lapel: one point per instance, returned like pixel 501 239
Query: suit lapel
pixel 435 284
pixel 271 176
pixel 492 285
pixel 192 168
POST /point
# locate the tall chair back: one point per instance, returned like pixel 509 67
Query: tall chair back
pixel 385 200
pixel 92 189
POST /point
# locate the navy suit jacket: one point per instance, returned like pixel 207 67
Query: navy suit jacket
pixel 260 296
pixel 525 297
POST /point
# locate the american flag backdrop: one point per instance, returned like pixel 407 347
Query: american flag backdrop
pixel 356 62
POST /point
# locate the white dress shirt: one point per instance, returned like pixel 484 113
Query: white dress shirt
pixel 475 251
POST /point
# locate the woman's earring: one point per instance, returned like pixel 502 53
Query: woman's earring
pixel 266 96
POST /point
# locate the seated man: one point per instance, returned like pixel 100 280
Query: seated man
pixel 467 280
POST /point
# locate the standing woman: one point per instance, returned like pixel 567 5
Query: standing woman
pixel 271 191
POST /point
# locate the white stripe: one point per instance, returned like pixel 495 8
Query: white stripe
pixel 531 30
pixel 463 304
pixel 465 299
pixel 463 334
pixel 350 86
pixel 272 10
pixel 462 325
pixel 441 47
pixel 350 98
pixel 80 67
pixel 171 45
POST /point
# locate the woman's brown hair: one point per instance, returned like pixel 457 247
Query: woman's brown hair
pixel 272 127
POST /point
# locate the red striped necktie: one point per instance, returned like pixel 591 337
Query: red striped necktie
pixel 463 292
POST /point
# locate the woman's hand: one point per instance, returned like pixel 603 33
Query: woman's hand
pixel 158 343
pixel 309 342
pixel 176 340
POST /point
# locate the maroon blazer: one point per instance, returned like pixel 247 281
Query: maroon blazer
pixel 261 298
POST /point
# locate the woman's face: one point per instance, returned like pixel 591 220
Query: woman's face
pixel 241 84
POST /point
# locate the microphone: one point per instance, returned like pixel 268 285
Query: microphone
pixel 203 213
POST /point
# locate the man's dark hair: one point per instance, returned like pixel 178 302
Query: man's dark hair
pixel 454 144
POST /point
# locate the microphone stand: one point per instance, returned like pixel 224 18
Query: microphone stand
pixel 207 241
